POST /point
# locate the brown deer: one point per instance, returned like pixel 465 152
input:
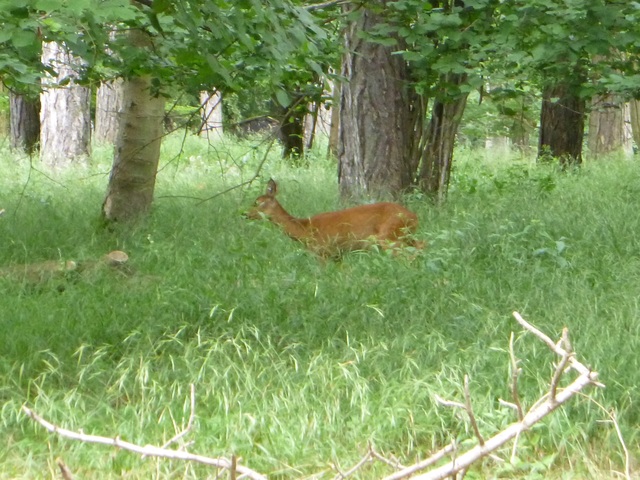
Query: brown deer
pixel 388 225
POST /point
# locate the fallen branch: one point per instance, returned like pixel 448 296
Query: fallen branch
pixel 541 409
pixel 147 450
pixel 422 465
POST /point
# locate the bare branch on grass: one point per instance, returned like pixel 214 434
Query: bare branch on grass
pixel 541 409
pixel 469 409
pixel 147 450
pixel 515 373
pixel 363 461
pixel 64 470
pixel 560 368
pixel 424 464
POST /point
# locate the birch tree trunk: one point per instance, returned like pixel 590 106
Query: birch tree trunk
pixel 137 150
pixel 65 123
pixel 376 121
pixel 109 102
pixel 634 120
pixel 211 127
pixel 25 122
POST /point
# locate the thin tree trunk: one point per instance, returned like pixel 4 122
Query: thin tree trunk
pixel 5 121
pixel 292 128
pixel 376 115
pixel 334 128
pixel 65 122
pixel 211 126
pixel 437 157
pixel 108 109
pixel 635 121
pixel 137 151
pixel 311 120
pixel 25 122
pixel 561 125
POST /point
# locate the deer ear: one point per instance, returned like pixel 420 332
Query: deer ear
pixel 272 188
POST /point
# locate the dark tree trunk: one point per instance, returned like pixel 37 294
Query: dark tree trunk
pixel 25 122
pixel 437 157
pixel 376 137
pixel 292 129
pixel 561 125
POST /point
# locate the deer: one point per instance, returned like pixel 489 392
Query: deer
pixel 385 224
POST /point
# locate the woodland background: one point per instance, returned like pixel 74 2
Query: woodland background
pixel 150 126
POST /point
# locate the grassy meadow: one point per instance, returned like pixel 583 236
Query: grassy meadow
pixel 299 364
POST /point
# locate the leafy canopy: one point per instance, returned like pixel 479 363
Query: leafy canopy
pixel 197 44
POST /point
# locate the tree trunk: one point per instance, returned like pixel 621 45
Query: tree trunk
pixel 311 122
pixel 292 129
pixel 561 125
pixel 334 128
pixel 65 122
pixel 376 116
pixel 4 111
pixel 137 150
pixel 635 121
pixel 211 127
pixel 108 109
pixel 437 157
pixel 25 122
pixel 606 125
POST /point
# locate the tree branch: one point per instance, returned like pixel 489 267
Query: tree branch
pixel 147 450
pixel 319 6
pixel 532 417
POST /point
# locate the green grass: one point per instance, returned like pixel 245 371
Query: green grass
pixel 300 364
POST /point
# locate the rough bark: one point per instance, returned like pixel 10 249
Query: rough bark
pixel 108 109
pixel 25 122
pixel 606 125
pixel 137 150
pixel 437 157
pixel 376 117
pixel 65 122
pixel 561 124
pixel 211 126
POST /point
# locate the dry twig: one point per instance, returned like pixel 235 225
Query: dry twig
pixel 148 450
pixel 541 409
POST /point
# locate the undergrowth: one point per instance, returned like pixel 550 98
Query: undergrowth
pixel 300 364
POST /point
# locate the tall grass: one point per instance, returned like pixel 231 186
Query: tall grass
pixel 300 364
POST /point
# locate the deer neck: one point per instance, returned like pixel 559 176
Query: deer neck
pixel 297 228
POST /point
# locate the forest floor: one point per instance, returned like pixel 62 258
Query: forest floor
pixel 299 366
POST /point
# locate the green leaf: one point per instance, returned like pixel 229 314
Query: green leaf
pixel 23 38
pixel 283 98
